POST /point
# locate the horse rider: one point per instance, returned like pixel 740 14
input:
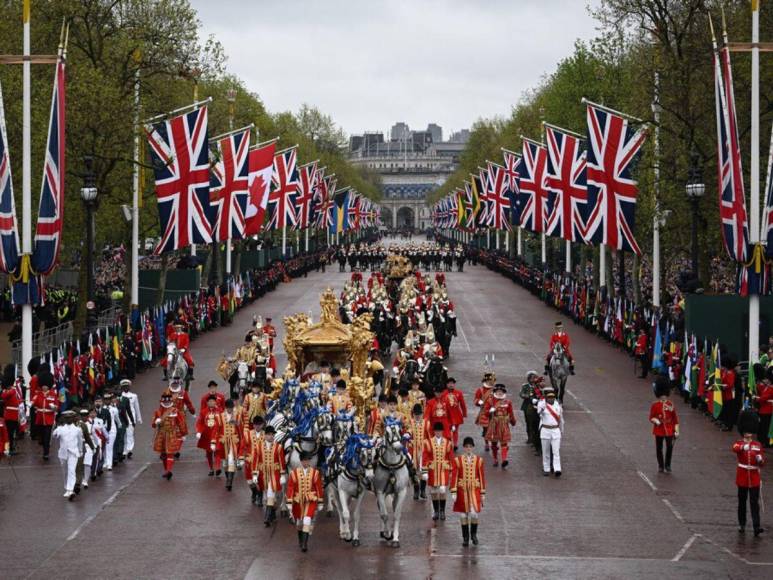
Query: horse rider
pixel 559 336
pixel 183 342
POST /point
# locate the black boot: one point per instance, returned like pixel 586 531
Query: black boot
pixel 300 538
pixel 254 492
pixel 166 375
pixel 304 541
pixel 423 489
pixel 465 535
pixel 435 509
pixel 267 517
pixel 416 492
pixel 474 534
pixel 259 497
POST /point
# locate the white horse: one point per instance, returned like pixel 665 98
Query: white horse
pixel 391 480
pixel 357 468
pixel 176 367
pixel 559 370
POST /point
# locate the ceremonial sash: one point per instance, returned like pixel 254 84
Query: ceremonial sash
pixel 552 412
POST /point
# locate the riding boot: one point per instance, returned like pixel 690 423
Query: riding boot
pixel 190 373
pixel 465 535
pixel 416 492
pixel 571 369
pixel 304 541
pixel 253 491
pixel 166 374
pixel 442 503
pixel 435 509
pixel 474 534
pixel 423 489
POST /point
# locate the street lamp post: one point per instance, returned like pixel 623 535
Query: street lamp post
pixel 695 189
pixel 89 197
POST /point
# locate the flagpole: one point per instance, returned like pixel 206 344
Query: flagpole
pixel 306 244
pixel 284 241
pixel 135 294
pixel 754 205
pixel 26 309
pixel 602 265
pixel 544 251
pixel 520 242
pixel 568 256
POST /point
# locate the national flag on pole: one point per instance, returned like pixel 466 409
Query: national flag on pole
pixel 613 150
pixel 284 190
pixel 532 184
pixel 318 204
pixel 48 232
pixel 340 211
pixel 475 203
pixel 513 175
pixel 229 185
pixel 306 189
pixel 322 214
pixel 353 210
pixel 499 196
pixel 716 395
pixel 179 151
pixel 565 182
pixel 261 164
pixel 9 229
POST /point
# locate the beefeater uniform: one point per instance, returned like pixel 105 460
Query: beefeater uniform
pixel 182 401
pixel 501 418
pixel 437 411
pixel 169 423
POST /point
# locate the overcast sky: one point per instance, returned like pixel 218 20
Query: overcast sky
pixel 369 63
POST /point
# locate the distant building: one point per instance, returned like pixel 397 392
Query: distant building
pixel 460 136
pixel 400 131
pixel 436 131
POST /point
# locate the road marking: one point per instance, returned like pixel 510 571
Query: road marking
pixel 647 481
pixel 464 336
pixel 674 511
pixel 582 405
pixel 432 540
pixel 684 549
pixel 106 503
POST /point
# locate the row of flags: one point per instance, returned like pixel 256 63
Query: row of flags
pixel 236 190
pixel 26 271
pixel 575 187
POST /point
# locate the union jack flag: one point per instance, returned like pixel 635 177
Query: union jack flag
pixel 179 150
pixel 732 200
pixel 499 197
pixel 228 185
pixel 9 231
pixel 317 200
pixel 565 179
pixel 485 199
pixel 324 215
pixel 613 149
pixel 306 190
pixel 354 210
pixel 285 183
pixel 532 184
pixel 513 170
pixel 48 232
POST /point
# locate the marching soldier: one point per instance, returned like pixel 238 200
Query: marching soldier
pixel 665 423
pixel 436 461
pixel 530 391
pixel 268 472
pixel 551 427
pixel 501 417
pixel 169 423
pixel 305 494
pixel 133 403
pixel 468 490
pixel 81 469
pixel 70 438
pixel 751 458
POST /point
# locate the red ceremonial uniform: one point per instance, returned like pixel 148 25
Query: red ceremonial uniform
pixel 250 443
pixel 182 401
pixel 501 417
pixel 563 338
pixel 641 345
pixel 209 427
pixel 46 405
pixel 765 400
pixel 728 384
pixel 183 342
pixel 12 399
pixel 219 401
pixel 270 332
pixel 169 423
pixel 269 464
pixel 665 413
pixel 5 442
pixel 437 411
pixel 436 461
pixel 481 396
pixel 750 458
pixel 304 491
pixel 468 482
pixel 457 408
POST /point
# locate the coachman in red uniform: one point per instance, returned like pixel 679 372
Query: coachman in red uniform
pixel 751 457
pixel 457 408
pixel 468 489
pixel 437 456
pixel 305 494
pixel 665 423
pixel 437 411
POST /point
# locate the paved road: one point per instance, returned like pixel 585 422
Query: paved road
pixel 610 516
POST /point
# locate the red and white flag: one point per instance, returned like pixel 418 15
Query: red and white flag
pixel 261 162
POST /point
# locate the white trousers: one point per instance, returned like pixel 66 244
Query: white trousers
pixel 109 448
pixel 551 441
pixel 68 470
pixel 129 443
pixel 88 456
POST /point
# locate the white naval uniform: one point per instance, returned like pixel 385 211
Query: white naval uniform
pixel 550 431
pixel 111 436
pixel 134 407
pixel 70 439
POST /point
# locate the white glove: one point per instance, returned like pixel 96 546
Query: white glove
pixel 193 415
pixel 453 497
pixel 759 458
pixel 255 479
pixel 282 479
pixel 425 476
pixel 212 446
pixel 479 402
pixel 453 428
pixel 158 421
pixel 198 436
pixel 655 421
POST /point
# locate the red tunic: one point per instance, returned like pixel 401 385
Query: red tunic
pixel 5 445
pixel 765 401
pixel 481 396
pixel 436 461
pixel 12 400
pixel 46 406
pixel 457 408
pixel 728 385
pixel 437 411
pixel 750 458
pixel 182 401
pixel 563 338
pixel 169 435
pixel 304 491
pixel 210 427
pixel 665 413
pixel 501 417
pixel 269 463
pixel 250 443
pixel 219 403
pixel 641 345
pixel 468 482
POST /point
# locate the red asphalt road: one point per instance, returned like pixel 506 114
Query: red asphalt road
pixel 611 515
